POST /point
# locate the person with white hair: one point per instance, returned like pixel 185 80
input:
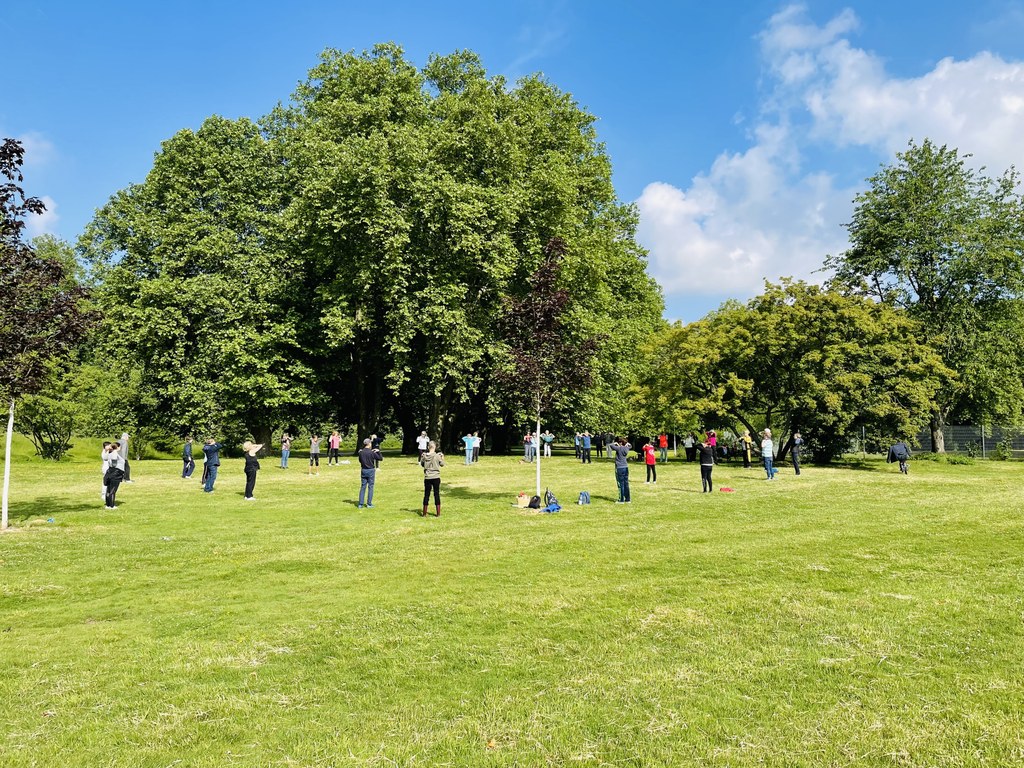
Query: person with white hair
pixel 768 453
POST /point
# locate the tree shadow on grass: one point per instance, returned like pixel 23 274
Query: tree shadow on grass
pixel 461 492
pixel 51 506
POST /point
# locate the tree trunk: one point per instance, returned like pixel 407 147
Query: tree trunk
pixel 7 465
pixel 536 443
pixel 407 421
pixel 938 421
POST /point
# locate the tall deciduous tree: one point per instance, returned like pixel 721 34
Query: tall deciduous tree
pixel 41 306
pixel 543 362
pixel 946 243
pixel 197 285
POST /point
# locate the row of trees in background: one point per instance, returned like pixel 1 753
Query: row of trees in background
pixel 923 320
pixel 406 249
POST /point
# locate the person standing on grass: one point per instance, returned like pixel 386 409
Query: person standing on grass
pixel 314 454
pixel 585 445
pixel 663 447
pixel 212 452
pixel 375 443
pixel 652 463
pixel 477 440
pixel 421 443
pixel 105 459
pixel 690 446
pixel 706 454
pixel 432 461
pixel 333 444
pixel 768 453
pixel 622 449
pixel 123 451
pixel 798 446
pixel 186 457
pixel 286 449
pixel 467 444
pixel 252 466
pixel 369 459
pixel 547 439
pixel 746 446
pixel 113 475
pixel 528 447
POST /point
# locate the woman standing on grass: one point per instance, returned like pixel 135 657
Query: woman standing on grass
pixel 286 449
pixel 314 453
pixel 768 453
pixel 746 445
pixel 706 454
pixel 333 444
pixel 252 466
pixel 652 463
pixel 114 474
pixel 432 461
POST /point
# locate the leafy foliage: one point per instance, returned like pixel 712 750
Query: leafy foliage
pixel 946 243
pixel 797 358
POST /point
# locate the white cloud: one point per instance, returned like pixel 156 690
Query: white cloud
pixel 44 223
pixel 39 151
pixel 764 212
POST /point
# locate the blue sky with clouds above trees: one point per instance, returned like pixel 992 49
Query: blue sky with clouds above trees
pixel 742 130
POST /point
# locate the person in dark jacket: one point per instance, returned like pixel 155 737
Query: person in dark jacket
pixel 212 451
pixel 186 457
pixel 899 452
pixel 622 449
pixel 252 466
pixel 796 450
pixel 369 459
pixel 706 455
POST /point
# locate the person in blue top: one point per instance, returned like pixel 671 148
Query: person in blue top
pixel 212 451
pixel 586 445
pixel 468 443
pixel 768 453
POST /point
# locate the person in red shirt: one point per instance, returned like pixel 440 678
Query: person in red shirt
pixel 663 447
pixel 651 461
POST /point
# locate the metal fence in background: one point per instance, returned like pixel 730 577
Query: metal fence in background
pixel 977 440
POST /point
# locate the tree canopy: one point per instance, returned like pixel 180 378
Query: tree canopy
pixel 945 242
pixel 346 259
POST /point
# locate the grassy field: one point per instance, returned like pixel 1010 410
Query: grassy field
pixel 849 616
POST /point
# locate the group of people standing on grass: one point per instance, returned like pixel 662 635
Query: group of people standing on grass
pixel 369 457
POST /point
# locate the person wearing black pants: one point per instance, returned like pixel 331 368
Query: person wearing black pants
pixel 794 452
pixel 252 466
pixel 114 475
pixel 186 457
pixel 586 444
pixel 706 453
pixel 432 461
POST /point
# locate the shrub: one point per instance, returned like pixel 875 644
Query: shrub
pixel 961 460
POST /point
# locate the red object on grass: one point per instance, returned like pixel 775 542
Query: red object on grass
pixel 727 490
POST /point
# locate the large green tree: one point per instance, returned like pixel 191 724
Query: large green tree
pixel 423 199
pixel 945 242
pixel 196 285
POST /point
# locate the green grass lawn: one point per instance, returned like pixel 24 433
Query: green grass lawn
pixel 851 616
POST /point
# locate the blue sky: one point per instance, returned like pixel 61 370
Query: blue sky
pixel 742 129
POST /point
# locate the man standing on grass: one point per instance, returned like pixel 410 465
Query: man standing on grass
pixel 467 443
pixel 586 446
pixel 369 460
pixel 421 443
pixel 663 447
pixel 212 451
pixel 622 449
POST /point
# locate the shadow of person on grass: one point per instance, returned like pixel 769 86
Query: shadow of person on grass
pixel 51 506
